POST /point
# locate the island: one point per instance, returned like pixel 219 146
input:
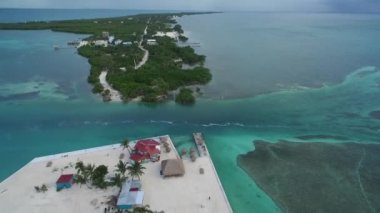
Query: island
pixel 146 176
pixel 141 57
pixel 317 177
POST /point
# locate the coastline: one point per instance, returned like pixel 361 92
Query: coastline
pixel 114 95
pixel 255 115
pixel 116 48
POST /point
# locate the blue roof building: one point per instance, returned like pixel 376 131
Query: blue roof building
pixel 130 195
pixel 65 181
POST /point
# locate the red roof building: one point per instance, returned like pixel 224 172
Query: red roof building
pixel 65 181
pixel 145 150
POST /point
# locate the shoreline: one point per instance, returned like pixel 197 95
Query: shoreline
pixel 114 95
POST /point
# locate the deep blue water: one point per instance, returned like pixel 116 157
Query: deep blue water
pixel 273 55
pixel 255 53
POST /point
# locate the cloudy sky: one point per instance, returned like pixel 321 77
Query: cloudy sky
pixel 225 5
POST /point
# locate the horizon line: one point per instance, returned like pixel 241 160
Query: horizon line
pixel 200 10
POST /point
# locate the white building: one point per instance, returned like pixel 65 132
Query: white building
pixel 151 42
pixel 173 35
pixel 131 195
pixel 82 43
pixel 127 43
pixel 118 41
pixel 103 43
pixel 105 34
pixel 111 39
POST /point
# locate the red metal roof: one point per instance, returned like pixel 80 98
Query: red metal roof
pixel 65 178
pixel 148 146
pixel 149 142
pixel 138 157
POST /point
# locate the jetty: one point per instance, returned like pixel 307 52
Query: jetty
pixel 188 192
pixel 203 153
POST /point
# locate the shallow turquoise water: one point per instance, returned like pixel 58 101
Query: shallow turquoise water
pixel 65 116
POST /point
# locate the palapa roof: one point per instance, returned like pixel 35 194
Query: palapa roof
pixel 172 167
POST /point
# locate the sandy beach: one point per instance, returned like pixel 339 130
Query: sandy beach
pixel 193 192
pixel 114 94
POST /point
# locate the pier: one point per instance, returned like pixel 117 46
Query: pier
pixel 204 154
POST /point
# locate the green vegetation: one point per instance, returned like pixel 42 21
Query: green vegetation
pixel 136 169
pixel 142 209
pixel 125 144
pixel 92 174
pixel 183 38
pixel 43 188
pixel 98 176
pixel 185 97
pixel 153 81
pixel 84 173
pixel 121 168
pixel 118 180
pixel 178 28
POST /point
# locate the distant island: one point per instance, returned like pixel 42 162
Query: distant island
pixel 134 57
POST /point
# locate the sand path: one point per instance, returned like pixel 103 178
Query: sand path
pixel 146 52
pixel 114 94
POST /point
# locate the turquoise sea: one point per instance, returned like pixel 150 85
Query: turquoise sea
pixel 275 76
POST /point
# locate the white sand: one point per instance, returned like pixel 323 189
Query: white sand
pixel 189 193
pixel 114 94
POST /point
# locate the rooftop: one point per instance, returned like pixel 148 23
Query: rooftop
pixel 65 178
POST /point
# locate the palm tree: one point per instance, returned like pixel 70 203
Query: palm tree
pixel 79 179
pixel 88 171
pixel 125 144
pixel 118 180
pixel 142 209
pixel 136 170
pixel 79 166
pixel 98 176
pixel 121 168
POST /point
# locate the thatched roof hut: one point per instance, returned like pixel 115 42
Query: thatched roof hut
pixel 172 167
